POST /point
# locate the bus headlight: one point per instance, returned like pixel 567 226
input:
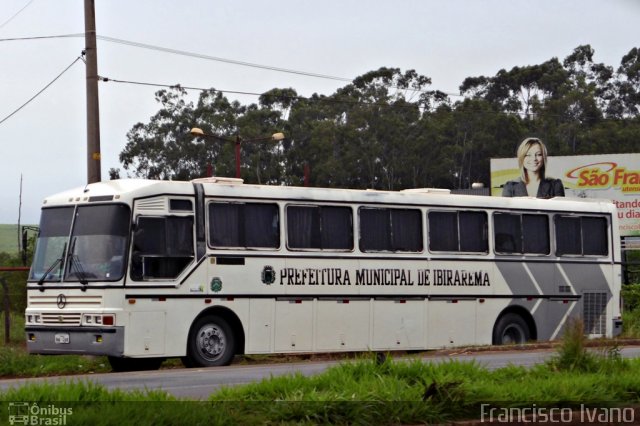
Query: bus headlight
pixel 34 319
pixel 98 319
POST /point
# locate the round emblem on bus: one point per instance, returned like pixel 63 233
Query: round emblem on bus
pixel 216 284
pixel 268 275
pixel 61 301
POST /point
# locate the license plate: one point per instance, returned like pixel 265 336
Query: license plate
pixel 62 338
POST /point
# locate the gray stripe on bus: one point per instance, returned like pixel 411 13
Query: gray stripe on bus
pixel 549 318
pixel 543 273
pixel 585 277
pixel 582 277
pixel 517 278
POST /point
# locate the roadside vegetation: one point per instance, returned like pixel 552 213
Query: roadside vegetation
pixel 631 311
pixel 366 391
pixel 16 362
pixel 8 238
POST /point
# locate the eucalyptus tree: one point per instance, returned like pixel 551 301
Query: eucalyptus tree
pixel 387 130
pixel 162 148
pixel 629 86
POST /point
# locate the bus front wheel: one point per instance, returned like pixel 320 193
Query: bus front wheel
pixel 211 343
pixel 511 329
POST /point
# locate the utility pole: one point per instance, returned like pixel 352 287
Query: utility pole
pixel 93 110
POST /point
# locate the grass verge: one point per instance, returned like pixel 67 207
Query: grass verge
pixel 356 392
pixel 16 362
pixel 364 391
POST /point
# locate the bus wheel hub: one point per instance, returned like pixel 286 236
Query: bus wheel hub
pixel 211 341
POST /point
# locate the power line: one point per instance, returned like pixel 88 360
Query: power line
pixel 75 35
pixel 236 92
pixel 236 62
pixel 16 14
pixel 184 53
pixel 218 59
pixel 319 99
pixel 41 90
pixel 214 58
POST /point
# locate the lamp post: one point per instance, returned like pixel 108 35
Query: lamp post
pixel 237 141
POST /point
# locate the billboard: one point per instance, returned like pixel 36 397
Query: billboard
pixel 610 176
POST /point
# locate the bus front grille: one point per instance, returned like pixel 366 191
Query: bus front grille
pixel 61 319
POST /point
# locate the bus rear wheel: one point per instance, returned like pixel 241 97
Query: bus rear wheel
pixel 511 329
pixel 211 343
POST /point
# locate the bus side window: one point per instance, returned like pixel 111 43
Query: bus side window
pixel 319 227
pixel 508 233
pixel 463 231
pixel 443 231
pixel 581 236
pixel 517 233
pixel 473 232
pixel 396 230
pixel 162 247
pixel 244 225
pixel 535 234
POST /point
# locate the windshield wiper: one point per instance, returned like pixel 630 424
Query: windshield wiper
pixel 57 262
pixel 74 261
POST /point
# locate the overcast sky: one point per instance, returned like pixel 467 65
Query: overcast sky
pixel 447 40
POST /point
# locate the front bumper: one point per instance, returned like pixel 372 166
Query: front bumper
pixel 81 340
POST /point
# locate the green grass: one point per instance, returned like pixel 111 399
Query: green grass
pixel 361 391
pixel 415 392
pixel 355 392
pixel 16 362
pixel 16 329
pixel 631 324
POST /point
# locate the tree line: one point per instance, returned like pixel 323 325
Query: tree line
pixel 388 130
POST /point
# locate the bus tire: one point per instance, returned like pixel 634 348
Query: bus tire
pixel 119 364
pixel 211 343
pixel 511 329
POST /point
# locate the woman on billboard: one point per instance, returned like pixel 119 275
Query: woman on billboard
pixel 532 161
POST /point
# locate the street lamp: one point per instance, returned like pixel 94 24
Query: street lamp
pixel 237 141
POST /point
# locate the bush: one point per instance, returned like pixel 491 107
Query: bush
pixel 631 323
pixel 631 297
pixel 573 355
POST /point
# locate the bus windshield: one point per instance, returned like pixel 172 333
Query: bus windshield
pixel 88 247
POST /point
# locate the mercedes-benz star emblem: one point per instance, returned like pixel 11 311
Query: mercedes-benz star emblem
pixel 62 301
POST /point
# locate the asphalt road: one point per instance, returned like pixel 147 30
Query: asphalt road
pixel 200 383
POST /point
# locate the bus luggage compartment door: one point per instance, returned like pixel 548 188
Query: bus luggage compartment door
pixel 149 336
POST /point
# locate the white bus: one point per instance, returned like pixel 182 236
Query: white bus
pixel 142 270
